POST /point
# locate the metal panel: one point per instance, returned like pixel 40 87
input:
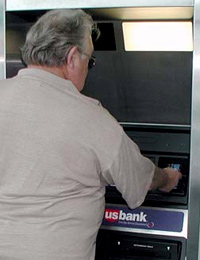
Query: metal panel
pixel 144 13
pixel 194 195
pixel 2 39
pixel 12 5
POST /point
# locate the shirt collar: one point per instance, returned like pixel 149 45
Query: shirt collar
pixel 48 78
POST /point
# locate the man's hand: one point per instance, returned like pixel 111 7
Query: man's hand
pixel 165 179
pixel 173 179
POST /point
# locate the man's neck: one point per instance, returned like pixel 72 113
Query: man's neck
pixel 58 71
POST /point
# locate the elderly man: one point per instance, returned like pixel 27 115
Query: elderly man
pixel 59 148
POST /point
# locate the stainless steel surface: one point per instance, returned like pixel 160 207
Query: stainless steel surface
pixel 2 39
pixel 156 125
pixel 144 13
pixel 194 182
pixel 13 5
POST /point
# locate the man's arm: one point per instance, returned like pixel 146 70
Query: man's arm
pixel 165 179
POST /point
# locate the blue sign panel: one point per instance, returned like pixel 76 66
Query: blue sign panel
pixel 142 218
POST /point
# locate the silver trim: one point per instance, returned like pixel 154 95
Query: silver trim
pixel 141 231
pixel 156 125
pixel 52 4
pixel 194 181
pixel 2 39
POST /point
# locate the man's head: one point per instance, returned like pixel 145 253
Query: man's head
pixel 61 39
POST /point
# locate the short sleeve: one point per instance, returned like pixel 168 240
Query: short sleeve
pixel 131 172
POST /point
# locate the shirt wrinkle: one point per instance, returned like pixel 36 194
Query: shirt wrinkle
pixel 115 154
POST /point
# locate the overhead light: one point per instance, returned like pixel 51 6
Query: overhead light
pixel 158 36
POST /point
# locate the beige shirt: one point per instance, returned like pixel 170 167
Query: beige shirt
pixel 58 150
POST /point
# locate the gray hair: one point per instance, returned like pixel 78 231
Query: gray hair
pixel 53 35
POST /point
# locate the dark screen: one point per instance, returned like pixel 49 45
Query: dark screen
pixel 142 87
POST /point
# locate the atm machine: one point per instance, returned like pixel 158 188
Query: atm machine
pixel 150 95
pixel 154 96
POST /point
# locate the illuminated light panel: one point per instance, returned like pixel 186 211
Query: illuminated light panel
pixel 158 36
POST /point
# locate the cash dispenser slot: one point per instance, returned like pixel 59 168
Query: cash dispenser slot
pixel 122 246
pixel 134 249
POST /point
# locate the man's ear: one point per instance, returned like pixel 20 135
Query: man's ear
pixel 71 58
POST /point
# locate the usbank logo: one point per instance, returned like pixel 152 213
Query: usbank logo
pixel 144 218
pixel 112 215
